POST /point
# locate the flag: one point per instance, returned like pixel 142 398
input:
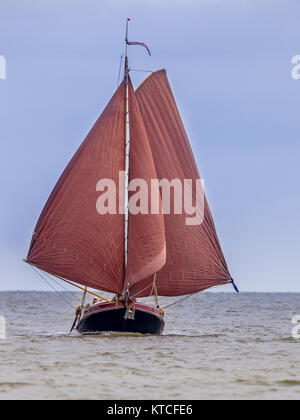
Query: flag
pixel 139 43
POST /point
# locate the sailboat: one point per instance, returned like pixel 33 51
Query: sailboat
pixel 131 255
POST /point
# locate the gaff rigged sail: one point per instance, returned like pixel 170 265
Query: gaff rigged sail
pixel 147 244
pixel 194 257
pixel 71 238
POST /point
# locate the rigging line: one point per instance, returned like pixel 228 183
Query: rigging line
pixel 69 282
pixel 177 301
pixel 49 284
pixel 134 296
pixel 120 69
pixel 145 71
pixel 186 297
pixel 49 277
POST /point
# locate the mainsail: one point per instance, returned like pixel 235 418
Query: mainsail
pixel 194 257
pixel 71 239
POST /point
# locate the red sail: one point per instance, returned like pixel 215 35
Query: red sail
pixel 146 243
pixel 72 239
pixel 194 257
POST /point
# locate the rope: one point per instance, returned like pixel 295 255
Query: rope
pixel 186 297
pixel 165 307
pixel 177 301
pixel 69 291
pixel 49 284
pixel 141 291
pixel 72 284
pixel 144 71
pixel 120 69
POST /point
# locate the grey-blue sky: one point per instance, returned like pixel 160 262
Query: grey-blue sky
pixel 229 64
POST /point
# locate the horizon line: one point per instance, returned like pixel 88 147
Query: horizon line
pixel 205 291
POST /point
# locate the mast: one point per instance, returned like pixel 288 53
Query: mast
pixel 127 151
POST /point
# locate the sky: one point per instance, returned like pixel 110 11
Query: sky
pixel 229 65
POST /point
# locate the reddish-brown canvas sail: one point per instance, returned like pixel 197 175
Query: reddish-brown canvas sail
pixel 146 239
pixel 194 257
pixel 72 239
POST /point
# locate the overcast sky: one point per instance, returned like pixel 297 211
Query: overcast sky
pixel 229 64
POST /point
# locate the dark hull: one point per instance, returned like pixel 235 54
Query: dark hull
pixel 112 320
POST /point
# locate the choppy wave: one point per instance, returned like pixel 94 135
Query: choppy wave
pixel 219 346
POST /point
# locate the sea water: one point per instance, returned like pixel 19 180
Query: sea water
pixel 214 346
